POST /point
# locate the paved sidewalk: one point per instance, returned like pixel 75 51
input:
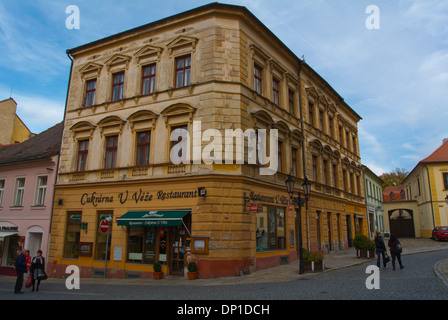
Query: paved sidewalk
pixel 288 272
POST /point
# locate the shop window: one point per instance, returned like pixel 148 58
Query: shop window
pixel 271 232
pixel 19 191
pixel 72 235
pixel 41 190
pixel 143 243
pixel 101 238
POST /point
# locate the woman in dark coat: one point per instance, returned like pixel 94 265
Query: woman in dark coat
pixel 37 269
pixel 380 250
pixel 395 251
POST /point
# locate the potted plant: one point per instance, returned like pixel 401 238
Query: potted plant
pixel 192 271
pixel 365 248
pixel 157 274
pixel 313 261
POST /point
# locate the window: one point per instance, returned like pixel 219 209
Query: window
pixel 142 244
pixel 271 231
pixel 183 69
pixel 445 180
pixel 101 238
pixel 143 148
pixel 279 159
pixel 310 113
pixel 72 235
pixel 90 93
pixel 111 152
pixel 294 161
pixel 325 167
pixel 335 172
pixel 117 86
pixel 257 79
pixel 315 168
pixel 181 135
pixel 275 91
pixel 2 190
pixel 149 79
pixel 83 150
pixel 291 101
pixel 41 190
pixel 19 191
pixel 321 121
pixel 330 126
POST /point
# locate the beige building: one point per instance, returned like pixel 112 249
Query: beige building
pixel 13 130
pixel 213 67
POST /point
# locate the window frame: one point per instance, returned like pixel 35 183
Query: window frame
pixel 146 148
pixel 82 154
pixel 89 99
pixel 19 190
pixel 151 77
pixel 184 69
pixel 118 85
pixel 41 191
pixel 113 150
pixel 258 79
pixel 276 91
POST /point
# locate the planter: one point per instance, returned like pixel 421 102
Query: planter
pixel 157 275
pixel 313 266
pixel 192 275
pixel 362 253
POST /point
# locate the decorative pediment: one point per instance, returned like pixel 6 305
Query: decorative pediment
pixel 316 146
pixel 112 124
pixel 82 130
pixel 182 43
pixel 261 119
pixel 281 126
pixel 90 69
pixel 117 61
pixel 142 119
pixel 179 109
pixel 148 53
pixel 296 136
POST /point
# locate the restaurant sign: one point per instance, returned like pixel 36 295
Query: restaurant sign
pixel 139 196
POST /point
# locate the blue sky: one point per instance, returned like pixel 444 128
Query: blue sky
pixel 395 77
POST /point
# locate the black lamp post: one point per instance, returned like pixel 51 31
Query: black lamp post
pixel 300 202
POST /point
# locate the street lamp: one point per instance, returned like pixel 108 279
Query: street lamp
pixel 300 202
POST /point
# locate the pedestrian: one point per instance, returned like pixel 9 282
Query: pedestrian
pixel 20 270
pixel 37 269
pixel 380 250
pixel 395 250
pixel 28 261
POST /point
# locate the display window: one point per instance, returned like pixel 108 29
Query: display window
pixel 271 232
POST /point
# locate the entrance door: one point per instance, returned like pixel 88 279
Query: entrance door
pixel 178 240
pixel 349 230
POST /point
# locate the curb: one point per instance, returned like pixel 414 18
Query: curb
pixel 441 277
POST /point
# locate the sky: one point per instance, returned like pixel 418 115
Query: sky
pixel 390 65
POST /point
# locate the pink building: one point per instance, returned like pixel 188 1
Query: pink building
pixel 27 175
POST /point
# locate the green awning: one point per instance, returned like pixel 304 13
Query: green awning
pixel 168 218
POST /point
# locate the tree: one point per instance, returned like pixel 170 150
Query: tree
pixel 394 178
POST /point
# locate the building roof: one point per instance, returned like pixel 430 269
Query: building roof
pixel 440 155
pixel 396 190
pixel 42 146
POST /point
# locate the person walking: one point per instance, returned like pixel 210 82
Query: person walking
pixel 395 251
pixel 37 269
pixel 380 250
pixel 20 270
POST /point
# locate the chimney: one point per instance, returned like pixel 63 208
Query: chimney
pixel 444 140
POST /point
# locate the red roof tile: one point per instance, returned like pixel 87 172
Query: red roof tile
pixel 440 155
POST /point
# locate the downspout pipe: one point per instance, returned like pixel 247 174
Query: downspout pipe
pixel 303 151
pixel 430 196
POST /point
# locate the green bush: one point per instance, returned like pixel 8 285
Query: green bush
pixel 192 267
pixel 361 242
pixel 157 267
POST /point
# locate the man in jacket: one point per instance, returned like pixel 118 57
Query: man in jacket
pixel 20 270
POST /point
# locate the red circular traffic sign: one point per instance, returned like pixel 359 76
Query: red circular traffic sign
pixel 104 226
